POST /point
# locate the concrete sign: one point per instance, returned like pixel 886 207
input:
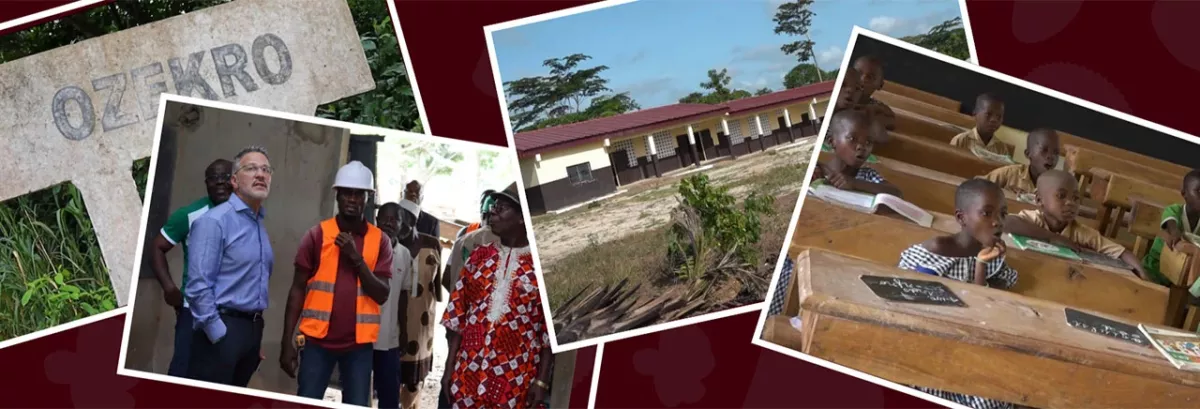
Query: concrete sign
pixel 83 113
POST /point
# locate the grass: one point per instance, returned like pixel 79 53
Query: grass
pixel 52 271
pixel 641 257
pixel 51 268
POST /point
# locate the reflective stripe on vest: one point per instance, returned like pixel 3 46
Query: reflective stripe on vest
pixel 318 301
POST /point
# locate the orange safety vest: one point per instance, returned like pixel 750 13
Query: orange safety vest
pixel 318 303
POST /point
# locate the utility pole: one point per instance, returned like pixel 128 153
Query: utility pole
pixel 813 54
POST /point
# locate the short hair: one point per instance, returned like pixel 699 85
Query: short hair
pixel 844 118
pixel 971 190
pixel 219 162
pixel 869 59
pixel 1039 136
pixel 1057 175
pixel 986 99
pixel 237 159
pixel 392 206
pixel 1192 176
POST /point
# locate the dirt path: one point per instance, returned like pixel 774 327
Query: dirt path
pixel 648 204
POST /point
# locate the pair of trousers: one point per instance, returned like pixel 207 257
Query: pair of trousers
pixel 183 343
pixel 354 373
pixel 231 360
pixel 387 378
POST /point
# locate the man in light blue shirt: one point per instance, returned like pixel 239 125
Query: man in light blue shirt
pixel 230 262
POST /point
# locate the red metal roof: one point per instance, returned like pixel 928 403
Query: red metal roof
pixel 779 98
pixel 562 136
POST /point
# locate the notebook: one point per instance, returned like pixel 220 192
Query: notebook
pixel 1029 244
pixel 871 203
pixel 990 156
pixel 1182 349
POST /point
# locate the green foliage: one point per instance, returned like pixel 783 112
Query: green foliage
pixel 718 90
pixel 725 226
pixel 948 38
pixel 141 172
pixel 557 99
pixel 805 74
pixel 95 22
pixel 794 18
pixel 391 104
pixel 51 271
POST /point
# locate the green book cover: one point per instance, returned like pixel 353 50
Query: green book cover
pixel 829 149
pixel 1026 243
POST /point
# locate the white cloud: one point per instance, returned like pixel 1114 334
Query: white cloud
pixel 830 58
pixel 906 26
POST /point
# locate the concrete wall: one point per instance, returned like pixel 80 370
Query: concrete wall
pixel 305 157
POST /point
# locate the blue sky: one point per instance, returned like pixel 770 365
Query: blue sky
pixel 660 50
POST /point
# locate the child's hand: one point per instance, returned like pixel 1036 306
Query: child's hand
pixel 818 172
pixel 990 253
pixel 1173 240
pixel 838 180
pixel 1141 273
pixel 1063 241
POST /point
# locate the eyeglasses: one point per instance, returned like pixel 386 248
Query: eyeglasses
pixel 265 169
pixel 217 178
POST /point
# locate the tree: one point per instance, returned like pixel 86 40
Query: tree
pixel 948 38
pixel 794 18
pixel 805 74
pixel 763 91
pixel 391 104
pixel 426 159
pixel 602 106
pixel 719 91
pixel 535 99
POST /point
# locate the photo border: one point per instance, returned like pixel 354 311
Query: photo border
pixel 133 286
pixel 489 31
pixel 858 32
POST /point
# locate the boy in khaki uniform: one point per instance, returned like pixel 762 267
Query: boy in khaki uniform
pixel 1054 221
pixel 989 115
pixel 1041 147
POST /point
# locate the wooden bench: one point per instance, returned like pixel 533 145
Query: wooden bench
pixel 923 96
pixel 1000 346
pixel 934 191
pixel 1118 197
pixel 934 155
pixel 917 125
pixel 1178 265
pixel 931 111
pixel 954 117
pixel 881 239
pixel 1081 161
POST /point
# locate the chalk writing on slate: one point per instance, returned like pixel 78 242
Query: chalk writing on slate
pixel 914 291
pixel 1106 327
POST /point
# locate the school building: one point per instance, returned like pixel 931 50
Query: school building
pixel 573 163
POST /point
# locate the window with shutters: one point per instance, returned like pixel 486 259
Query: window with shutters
pixel 627 145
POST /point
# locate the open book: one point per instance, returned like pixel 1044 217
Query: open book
pixel 829 149
pixel 985 154
pixel 1182 349
pixel 870 203
pixel 1029 244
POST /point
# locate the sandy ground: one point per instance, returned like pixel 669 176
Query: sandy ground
pixel 647 204
pixel 431 387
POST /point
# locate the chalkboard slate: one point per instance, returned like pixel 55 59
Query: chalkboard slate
pixel 914 291
pixel 1106 327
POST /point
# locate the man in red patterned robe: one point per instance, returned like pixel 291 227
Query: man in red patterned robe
pixel 499 353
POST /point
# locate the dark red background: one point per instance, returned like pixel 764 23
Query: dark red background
pixel 1142 52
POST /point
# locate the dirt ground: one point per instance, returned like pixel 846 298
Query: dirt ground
pixel 624 237
pixel 647 204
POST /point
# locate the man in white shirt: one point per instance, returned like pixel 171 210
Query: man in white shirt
pixel 392 318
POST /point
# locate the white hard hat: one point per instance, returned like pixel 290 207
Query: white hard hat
pixel 354 176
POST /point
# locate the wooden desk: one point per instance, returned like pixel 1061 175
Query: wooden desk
pixel 923 96
pixel 924 109
pixel 954 117
pixel 1001 346
pixel 881 239
pixel 1081 161
pixel 934 155
pixel 1119 194
pixel 914 124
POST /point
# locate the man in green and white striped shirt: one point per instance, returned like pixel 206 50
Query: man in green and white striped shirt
pixel 175 232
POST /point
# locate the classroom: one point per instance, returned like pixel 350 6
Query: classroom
pixel 990 243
